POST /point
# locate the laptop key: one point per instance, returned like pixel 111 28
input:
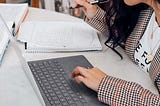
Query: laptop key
pixel 57 102
pixel 71 101
pixel 72 104
pixel 65 104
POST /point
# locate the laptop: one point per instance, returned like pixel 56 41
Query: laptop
pixel 50 78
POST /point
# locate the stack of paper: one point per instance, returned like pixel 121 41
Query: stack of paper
pixel 58 36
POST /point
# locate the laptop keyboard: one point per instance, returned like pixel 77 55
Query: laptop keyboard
pixel 54 84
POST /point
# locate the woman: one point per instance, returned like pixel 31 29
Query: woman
pixel 142 46
pixel 116 24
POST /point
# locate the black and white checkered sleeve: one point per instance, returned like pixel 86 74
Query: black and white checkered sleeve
pixel 117 92
pixel 98 21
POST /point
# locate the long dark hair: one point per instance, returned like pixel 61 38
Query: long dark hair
pixel 158 1
pixel 125 19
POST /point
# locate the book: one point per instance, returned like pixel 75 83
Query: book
pixel 58 36
pixel 13 14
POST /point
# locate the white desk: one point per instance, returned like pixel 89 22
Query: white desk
pixel 15 89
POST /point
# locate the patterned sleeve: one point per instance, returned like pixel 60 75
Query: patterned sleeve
pixel 117 92
pixel 154 70
pixel 98 21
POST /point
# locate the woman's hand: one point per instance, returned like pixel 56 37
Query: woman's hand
pixel 88 9
pixel 90 77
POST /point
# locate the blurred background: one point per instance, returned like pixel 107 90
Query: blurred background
pixel 52 5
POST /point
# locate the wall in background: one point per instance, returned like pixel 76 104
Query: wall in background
pixel 50 5
pixel 61 6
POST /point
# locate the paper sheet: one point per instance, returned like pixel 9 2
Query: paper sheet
pixel 59 35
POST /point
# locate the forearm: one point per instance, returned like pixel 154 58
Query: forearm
pixel 98 21
pixel 117 92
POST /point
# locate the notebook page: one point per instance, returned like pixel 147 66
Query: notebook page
pixel 59 35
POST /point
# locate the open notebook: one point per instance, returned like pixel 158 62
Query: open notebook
pixel 13 14
pixel 58 36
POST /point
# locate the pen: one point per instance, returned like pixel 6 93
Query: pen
pixel 13 29
pixel 92 3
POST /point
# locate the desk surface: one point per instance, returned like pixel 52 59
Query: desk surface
pixel 15 89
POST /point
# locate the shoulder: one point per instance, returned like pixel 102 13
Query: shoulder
pixel 138 31
pixel 146 14
pixel 143 20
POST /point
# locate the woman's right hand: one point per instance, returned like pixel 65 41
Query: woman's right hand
pixel 88 9
pixel 90 77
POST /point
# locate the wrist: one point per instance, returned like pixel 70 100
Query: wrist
pixel 92 12
pixel 101 82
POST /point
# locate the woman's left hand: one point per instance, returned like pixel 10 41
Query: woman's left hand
pixel 90 77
